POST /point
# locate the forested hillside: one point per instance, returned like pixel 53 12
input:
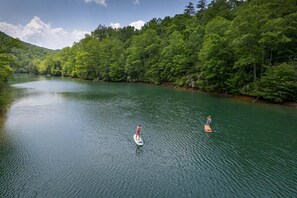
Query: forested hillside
pixel 23 55
pixel 235 47
pixel 27 57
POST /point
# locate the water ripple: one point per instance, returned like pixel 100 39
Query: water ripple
pixel 74 139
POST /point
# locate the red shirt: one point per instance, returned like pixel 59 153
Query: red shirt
pixel 138 131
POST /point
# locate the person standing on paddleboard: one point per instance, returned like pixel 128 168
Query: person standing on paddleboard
pixel 138 132
pixel 208 121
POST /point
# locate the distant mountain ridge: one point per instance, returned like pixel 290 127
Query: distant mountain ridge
pixel 4 35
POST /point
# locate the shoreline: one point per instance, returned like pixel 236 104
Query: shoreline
pixel 246 98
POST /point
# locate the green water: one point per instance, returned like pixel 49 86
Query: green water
pixel 72 138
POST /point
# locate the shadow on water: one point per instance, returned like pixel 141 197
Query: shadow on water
pixel 139 151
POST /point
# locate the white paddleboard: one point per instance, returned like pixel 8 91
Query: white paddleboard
pixel 140 142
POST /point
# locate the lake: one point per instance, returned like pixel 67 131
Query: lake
pixel 74 138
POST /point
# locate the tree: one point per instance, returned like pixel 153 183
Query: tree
pixel 125 33
pixel 141 56
pixel 102 32
pixel 174 62
pixel 216 57
pixel 201 6
pixel 274 40
pixel 244 36
pixel 279 84
pixel 260 35
pixel 82 65
pixel 112 60
pixel 6 57
pixel 190 9
pixel 216 8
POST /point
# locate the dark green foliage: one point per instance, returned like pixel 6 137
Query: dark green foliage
pixel 173 60
pixel 216 58
pixel 141 57
pixel 201 6
pixel 279 84
pixel 6 59
pixel 216 8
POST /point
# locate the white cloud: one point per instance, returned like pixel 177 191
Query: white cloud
pixel 115 25
pixel 137 24
pixel 135 2
pixel 41 34
pixel 10 29
pixel 99 2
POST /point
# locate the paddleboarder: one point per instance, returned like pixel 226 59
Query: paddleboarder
pixel 138 132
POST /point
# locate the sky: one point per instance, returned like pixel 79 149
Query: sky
pixel 56 24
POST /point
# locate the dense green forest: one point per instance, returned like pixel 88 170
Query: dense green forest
pixel 26 57
pixel 231 47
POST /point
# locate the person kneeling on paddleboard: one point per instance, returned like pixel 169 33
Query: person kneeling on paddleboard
pixel 138 132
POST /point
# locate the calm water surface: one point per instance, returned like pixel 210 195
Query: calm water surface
pixel 71 138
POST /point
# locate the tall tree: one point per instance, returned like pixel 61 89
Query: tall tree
pixel 141 55
pixel 244 36
pixel 279 84
pixel 174 62
pixel 190 9
pixel 111 55
pixel 216 8
pixel 201 6
pixel 216 57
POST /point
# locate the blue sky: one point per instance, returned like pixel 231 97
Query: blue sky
pixel 58 23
